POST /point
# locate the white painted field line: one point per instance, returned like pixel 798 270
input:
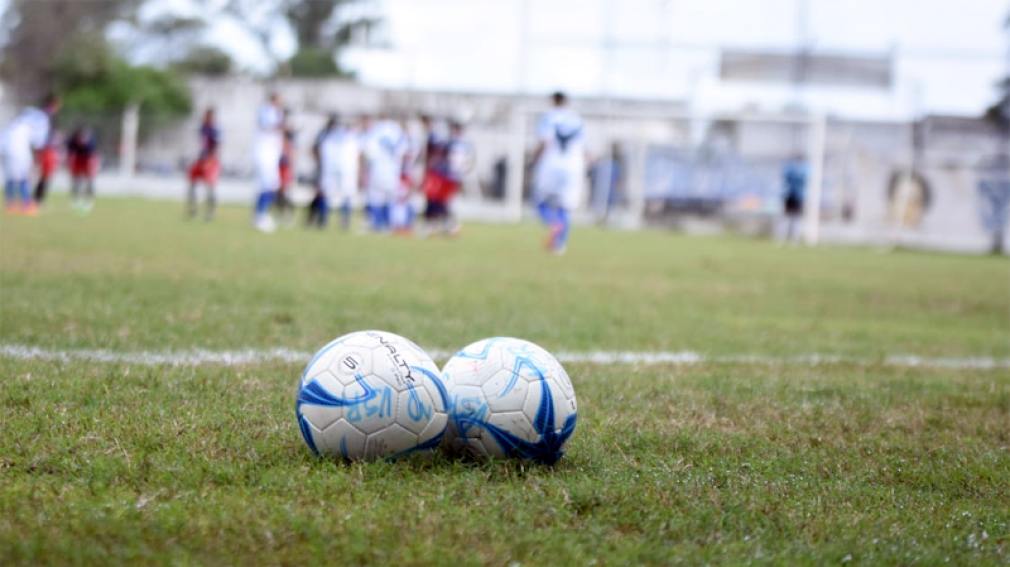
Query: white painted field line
pixel 198 357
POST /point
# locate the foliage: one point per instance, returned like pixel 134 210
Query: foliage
pixel 313 62
pixel 205 60
pixel 41 29
pixel 97 85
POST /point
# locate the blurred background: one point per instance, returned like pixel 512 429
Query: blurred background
pixel 900 107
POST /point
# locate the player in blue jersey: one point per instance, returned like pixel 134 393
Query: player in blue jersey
pixel 794 180
pixel 338 152
pixel 560 168
pixel 267 148
pixel 385 150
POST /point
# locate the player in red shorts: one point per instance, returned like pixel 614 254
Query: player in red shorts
pixel 48 160
pixel 447 162
pixel 285 208
pixel 82 157
pixel 206 167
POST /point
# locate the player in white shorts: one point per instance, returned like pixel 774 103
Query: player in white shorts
pixel 559 175
pixel 339 154
pixel 267 147
pixel 28 132
pixel 385 151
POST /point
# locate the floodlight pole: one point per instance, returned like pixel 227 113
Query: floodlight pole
pixel 815 158
pixel 516 172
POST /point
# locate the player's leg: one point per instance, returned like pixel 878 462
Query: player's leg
pixel 17 168
pixel 211 201
pixel 560 242
pixel 89 192
pixel 27 204
pixel 323 212
pixel 75 191
pixel 41 188
pixel 191 206
pixel 382 217
pixel 10 195
pixel 345 214
pixel 268 178
pixel 212 170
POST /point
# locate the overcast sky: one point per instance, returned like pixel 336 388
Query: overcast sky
pixel 949 53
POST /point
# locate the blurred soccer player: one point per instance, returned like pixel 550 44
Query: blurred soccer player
pixel 267 157
pixel 206 167
pixel 49 160
pixel 402 210
pixel 560 159
pixel 794 180
pixel 339 153
pixel 82 158
pixel 385 152
pixel 447 162
pixel 29 131
pixel 286 168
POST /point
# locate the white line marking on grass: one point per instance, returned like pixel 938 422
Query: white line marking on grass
pixel 199 357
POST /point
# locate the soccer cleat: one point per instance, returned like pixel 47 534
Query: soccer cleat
pixel 30 210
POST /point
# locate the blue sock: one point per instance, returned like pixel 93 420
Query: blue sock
pixel 26 196
pixel 380 217
pixel 263 202
pixel 324 210
pixel 546 212
pixel 9 191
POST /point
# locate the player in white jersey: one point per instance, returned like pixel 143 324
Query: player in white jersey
pixel 559 177
pixel 385 151
pixel 28 132
pixel 267 148
pixel 339 153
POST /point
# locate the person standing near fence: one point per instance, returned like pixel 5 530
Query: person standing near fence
pixel 82 159
pixel 49 160
pixel 28 132
pixel 206 167
pixel 338 152
pixel 560 169
pixel 794 181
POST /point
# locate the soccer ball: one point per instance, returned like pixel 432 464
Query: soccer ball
pixel 508 398
pixel 369 395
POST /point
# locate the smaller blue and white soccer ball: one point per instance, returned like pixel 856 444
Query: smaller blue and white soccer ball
pixel 508 398
pixel 371 394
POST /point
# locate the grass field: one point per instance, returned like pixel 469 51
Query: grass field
pixel 764 462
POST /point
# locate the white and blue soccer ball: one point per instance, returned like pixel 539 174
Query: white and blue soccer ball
pixel 508 398
pixel 369 395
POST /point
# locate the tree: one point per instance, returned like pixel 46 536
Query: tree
pixel 205 60
pixel 320 27
pixel 38 30
pixel 322 30
pixel 97 85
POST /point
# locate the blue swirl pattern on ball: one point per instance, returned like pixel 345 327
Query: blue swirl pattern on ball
pixel 548 449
